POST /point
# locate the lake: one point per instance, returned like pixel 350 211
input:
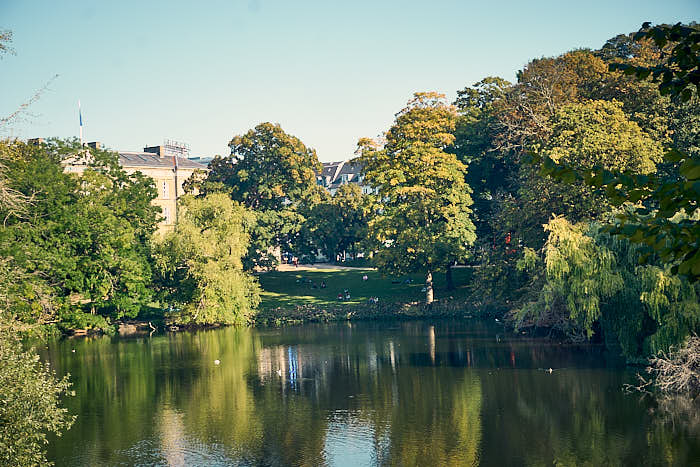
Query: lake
pixel 426 393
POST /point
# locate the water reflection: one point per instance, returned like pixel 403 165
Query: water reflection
pixel 409 393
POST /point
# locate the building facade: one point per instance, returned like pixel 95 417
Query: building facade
pixel 168 172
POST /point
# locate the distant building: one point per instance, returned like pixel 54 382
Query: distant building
pixel 167 170
pixel 204 160
pixel 335 174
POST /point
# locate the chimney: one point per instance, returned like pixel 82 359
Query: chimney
pixel 155 150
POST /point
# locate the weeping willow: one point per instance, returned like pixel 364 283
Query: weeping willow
pixel 589 282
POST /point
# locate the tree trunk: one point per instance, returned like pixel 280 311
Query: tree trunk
pixel 448 274
pixel 429 288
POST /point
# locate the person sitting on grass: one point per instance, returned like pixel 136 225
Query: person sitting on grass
pixel 323 284
pixel 340 296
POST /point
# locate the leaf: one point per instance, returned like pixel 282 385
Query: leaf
pixel 690 169
pixel 674 155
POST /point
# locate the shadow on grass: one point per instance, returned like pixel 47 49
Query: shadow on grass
pixel 296 288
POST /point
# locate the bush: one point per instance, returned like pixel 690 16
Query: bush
pixel 29 405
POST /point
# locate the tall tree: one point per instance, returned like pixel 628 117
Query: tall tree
pixel 272 173
pixel 477 128
pixel 423 223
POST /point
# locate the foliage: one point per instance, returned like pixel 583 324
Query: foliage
pixel 476 130
pixel 579 275
pixel 662 209
pixel 423 223
pixel 29 405
pixel 680 69
pixel 340 222
pixel 592 281
pixel 272 173
pixel 660 213
pixel 199 265
pixel 83 240
pixel 587 135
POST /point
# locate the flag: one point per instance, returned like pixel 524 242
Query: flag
pixel 80 118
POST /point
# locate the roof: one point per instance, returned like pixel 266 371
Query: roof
pixel 330 169
pixel 351 167
pixel 147 159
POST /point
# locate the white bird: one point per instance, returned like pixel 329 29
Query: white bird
pixel 216 362
pixel 73 350
pixel 279 372
pixel 550 371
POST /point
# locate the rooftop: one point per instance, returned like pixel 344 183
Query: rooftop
pixel 147 159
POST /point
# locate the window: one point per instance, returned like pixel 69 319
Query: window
pixel 166 214
pixel 165 189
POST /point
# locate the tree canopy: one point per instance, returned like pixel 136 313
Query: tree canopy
pixel 85 238
pixel 423 222
pixel 273 173
pixel 200 267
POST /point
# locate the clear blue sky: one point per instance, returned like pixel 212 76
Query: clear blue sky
pixel 328 71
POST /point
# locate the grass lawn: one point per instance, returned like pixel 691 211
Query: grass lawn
pixel 291 288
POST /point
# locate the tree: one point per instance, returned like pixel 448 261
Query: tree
pixel 339 223
pixel 199 265
pixel 679 70
pixel 586 135
pixel 661 210
pixel 29 407
pixel 272 173
pixel 476 131
pixel 85 237
pixel 423 223
pixel 587 281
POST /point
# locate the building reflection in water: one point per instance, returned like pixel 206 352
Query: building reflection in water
pixel 411 393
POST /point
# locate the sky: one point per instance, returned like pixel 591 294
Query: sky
pixel 329 72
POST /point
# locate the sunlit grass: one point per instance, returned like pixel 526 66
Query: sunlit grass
pixel 292 288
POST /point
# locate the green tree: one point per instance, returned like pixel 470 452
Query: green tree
pixel 592 281
pixel 29 405
pixel 586 135
pixel 29 392
pixel 199 265
pixel 272 173
pixel 85 237
pixel 423 223
pixel 662 210
pixel 339 223
pixel 680 69
pixel 477 129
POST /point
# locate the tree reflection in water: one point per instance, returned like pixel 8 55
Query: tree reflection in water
pixel 410 393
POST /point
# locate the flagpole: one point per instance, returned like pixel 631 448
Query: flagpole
pixel 80 117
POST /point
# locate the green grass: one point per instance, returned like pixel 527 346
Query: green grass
pixel 281 289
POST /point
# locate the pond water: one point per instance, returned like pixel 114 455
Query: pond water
pixel 427 393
